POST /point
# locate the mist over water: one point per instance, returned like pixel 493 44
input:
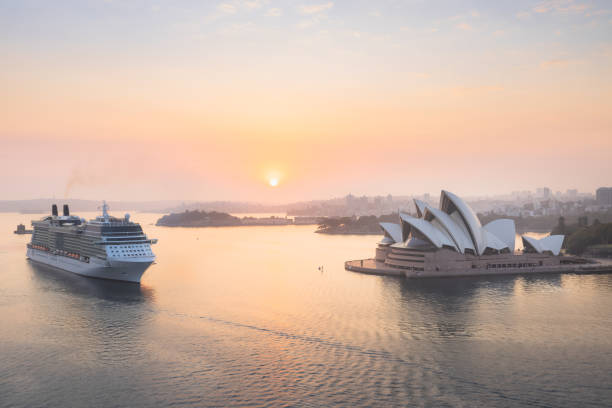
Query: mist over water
pixel 243 316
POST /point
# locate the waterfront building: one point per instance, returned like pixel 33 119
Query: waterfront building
pixel 543 192
pixel 603 196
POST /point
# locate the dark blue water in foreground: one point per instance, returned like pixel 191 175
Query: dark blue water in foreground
pixel 243 317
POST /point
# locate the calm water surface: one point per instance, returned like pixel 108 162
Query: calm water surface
pixel 242 316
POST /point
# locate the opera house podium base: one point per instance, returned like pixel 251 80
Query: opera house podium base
pixel 374 267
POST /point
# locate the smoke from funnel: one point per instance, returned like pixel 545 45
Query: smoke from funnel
pixel 83 178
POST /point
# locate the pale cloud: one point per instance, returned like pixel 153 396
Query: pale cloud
pixel 226 8
pixel 554 63
pixel 602 12
pixel 498 33
pixel 274 12
pixel 315 8
pixel 604 50
pixel 462 20
pixel 464 27
pixel 307 23
pixel 238 28
pixel 316 13
pixel 230 7
pixel 465 16
pixel 254 4
pixel 375 13
pixel 523 14
pixel 559 63
pixel 427 30
pixel 481 89
pixel 560 6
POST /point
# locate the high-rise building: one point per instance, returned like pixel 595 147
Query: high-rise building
pixel 543 192
pixel 604 195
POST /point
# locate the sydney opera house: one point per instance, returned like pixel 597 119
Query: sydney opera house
pixel 450 241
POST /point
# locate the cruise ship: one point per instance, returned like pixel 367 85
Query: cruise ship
pixel 105 247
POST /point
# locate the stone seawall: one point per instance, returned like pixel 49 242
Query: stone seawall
pixel 371 266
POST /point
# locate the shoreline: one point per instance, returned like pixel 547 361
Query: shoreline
pixel 378 233
pixel 232 225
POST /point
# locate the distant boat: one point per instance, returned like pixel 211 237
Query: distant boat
pixel 21 230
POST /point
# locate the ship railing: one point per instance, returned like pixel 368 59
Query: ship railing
pixel 144 241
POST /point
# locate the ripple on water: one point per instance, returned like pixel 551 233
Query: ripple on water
pixel 267 328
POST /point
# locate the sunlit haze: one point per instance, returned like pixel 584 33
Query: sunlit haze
pixel 139 100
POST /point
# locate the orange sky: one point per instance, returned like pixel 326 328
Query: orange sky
pixel 130 100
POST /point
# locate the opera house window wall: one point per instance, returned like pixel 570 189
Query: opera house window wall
pixel 451 240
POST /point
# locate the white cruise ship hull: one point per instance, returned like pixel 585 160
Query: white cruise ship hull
pixel 120 270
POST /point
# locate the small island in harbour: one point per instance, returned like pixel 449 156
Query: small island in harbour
pixel 199 218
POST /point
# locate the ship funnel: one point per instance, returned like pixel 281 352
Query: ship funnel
pixel 66 210
pixel 54 210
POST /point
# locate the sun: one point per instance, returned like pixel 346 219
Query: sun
pixel 273 182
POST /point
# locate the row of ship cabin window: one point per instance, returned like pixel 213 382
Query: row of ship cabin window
pixel 129 252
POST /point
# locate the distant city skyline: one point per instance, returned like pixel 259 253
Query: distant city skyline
pixel 528 202
pixel 571 192
pixel 280 101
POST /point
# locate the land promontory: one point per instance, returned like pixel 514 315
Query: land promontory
pixel 199 218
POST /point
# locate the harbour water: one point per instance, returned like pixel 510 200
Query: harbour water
pixel 267 316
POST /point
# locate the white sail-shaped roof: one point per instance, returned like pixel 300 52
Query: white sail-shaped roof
pixel 458 235
pixel 550 243
pixel 405 227
pixel 493 242
pixel 391 230
pixel 420 207
pixel 530 242
pixel 455 225
pixel 434 235
pixel 505 230
pixel 450 203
